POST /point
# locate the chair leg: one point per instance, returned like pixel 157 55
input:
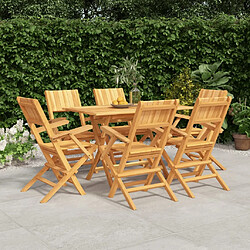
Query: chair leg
pixel 167 186
pixel 113 188
pixel 49 195
pixel 31 182
pixel 218 177
pixel 217 163
pixel 171 176
pixel 126 194
pixel 184 184
pixel 77 185
pixel 164 169
pixel 92 169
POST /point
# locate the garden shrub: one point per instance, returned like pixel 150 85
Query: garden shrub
pixel 49 54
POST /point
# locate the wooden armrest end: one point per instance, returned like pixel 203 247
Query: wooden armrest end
pixel 110 131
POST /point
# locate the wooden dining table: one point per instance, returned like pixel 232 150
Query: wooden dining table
pixel 104 115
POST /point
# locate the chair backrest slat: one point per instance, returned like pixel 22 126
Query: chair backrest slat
pixel 209 110
pixel 34 115
pixel 153 114
pixel 57 100
pixel 207 93
pixel 106 96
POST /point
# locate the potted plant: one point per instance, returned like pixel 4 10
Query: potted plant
pixel 241 117
pixel 128 73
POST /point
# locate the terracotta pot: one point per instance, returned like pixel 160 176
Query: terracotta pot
pixel 242 142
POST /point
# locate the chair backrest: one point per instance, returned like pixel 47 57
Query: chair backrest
pixel 154 114
pixel 207 93
pixel 106 96
pixel 34 115
pixel 209 112
pixel 57 100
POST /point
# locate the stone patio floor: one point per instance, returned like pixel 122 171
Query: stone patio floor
pixel 214 219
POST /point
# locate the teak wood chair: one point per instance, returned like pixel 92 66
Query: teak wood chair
pixel 57 100
pixel 106 96
pixel 204 93
pixel 55 151
pixel 149 114
pixel 210 113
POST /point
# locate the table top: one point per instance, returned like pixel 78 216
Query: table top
pixel 109 110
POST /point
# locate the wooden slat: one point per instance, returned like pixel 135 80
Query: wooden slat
pixel 146 187
pixel 197 178
pixel 140 171
pixel 192 164
pixel 52 184
pixel 134 183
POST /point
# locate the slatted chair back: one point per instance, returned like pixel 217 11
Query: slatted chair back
pixel 106 96
pixel 34 115
pixel 209 112
pixel 153 114
pixel 57 100
pixel 209 93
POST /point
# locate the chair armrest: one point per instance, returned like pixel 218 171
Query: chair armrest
pixel 54 123
pixel 182 116
pixel 178 131
pixel 51 121
pixel 158 130
pixel 111 132
pixel 74 131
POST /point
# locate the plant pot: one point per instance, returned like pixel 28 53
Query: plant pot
pixel 242 142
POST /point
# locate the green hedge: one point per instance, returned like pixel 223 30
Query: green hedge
pixel 43 54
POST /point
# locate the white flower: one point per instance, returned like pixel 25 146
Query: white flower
pixel 26 133
pixel 24 139
pixel 8 159
pixel 27 155
pixel 3 144
pixel 12 140
pixel 1 131
pixel 19 125
pixel 32 137
pixel 13 131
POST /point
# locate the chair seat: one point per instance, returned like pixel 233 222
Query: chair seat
pixel 192 142
pixel 65 145
pixel 137 148
pixel 84 136
pixel 125 130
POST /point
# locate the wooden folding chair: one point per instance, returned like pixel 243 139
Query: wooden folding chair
pixel 64 169
pixel 204 93
pixel 150 114
pixel 210 113
pixel 58 100
pixel 106 96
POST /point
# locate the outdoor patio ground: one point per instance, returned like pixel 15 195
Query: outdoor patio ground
pixel 214 219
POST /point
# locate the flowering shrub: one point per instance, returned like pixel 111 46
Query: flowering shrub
pixel 16 143
pixel 183 88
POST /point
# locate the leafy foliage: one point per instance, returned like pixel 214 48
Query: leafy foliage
pixel 122 9
pixel 241 117
pixel 38 8
pixel 50 54
pixel 209 76
pixel 183 88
